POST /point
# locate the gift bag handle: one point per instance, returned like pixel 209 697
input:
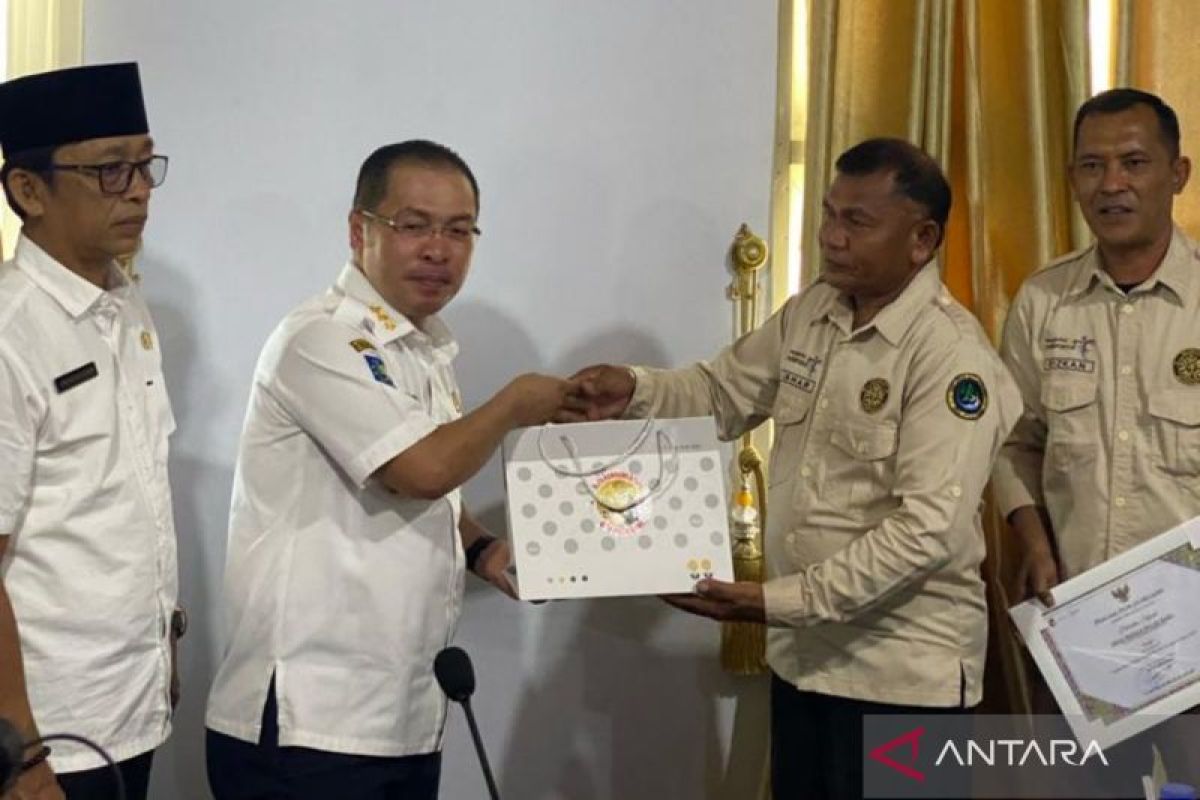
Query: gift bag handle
pixel 569 446
pixel 662 439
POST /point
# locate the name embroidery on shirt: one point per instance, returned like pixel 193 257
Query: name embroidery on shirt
pixel 809 364
pixel 1071 363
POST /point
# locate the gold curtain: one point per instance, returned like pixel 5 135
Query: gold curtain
pixel 42 35
pixel 1155 52
pixel 989 88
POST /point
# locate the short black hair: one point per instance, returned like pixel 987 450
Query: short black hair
pixel 372 183
pixel 1121 99
pixel 916 174
pixel 37 160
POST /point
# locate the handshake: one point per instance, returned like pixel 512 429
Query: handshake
pixel 597 392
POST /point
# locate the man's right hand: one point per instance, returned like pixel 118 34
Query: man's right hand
pixel 533 399
pixel 1037 569
pixel 36 784
pixel 603 392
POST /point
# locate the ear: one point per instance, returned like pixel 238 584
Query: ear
pixel 1182 170
pixel 925 240
pixel 355 221
pixel 28 189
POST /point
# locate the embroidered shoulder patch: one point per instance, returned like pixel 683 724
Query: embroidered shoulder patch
pixel 361 344
pixel 967 396
pixel 378 369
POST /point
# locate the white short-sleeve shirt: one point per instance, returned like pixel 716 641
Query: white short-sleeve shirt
pixel 90 567
pixel 342 590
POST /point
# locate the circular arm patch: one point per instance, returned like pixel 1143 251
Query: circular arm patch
pixel 967 396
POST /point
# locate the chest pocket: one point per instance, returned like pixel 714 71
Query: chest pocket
pixel 861 465
pixel 1072 423
pixel 1176 415
pixel 82 413
pixel 791 410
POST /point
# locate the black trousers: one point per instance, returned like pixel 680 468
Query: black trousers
pixel 99 783
pixel 240 770
pixel 817 748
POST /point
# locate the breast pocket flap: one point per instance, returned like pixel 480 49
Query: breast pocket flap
pixel 1068 395
pixel 1180 406
pixel 866 442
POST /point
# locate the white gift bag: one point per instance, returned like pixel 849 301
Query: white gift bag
pixel 626 507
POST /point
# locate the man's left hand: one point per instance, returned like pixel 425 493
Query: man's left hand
pixel 726 602
pixel 493 565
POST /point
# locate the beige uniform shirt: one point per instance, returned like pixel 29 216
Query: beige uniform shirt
pixel 1109 442
pixel 884 440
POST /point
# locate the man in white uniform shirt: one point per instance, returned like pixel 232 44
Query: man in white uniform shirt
pixel 348 540
pixel 87 540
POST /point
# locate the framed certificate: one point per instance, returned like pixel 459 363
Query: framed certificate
pixel 1120 648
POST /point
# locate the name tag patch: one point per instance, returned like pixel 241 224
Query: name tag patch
pixel 1070 364
pixel 69 380
pixel 797 380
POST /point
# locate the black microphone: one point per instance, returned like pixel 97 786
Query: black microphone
pixel 454 674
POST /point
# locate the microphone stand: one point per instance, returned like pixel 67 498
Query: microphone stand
pixel 483 761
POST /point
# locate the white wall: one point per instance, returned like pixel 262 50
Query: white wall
pixel 618 143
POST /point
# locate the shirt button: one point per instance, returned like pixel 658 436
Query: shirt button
pixel 862 447
pixel 791 538
pixel 824 403
pixel 1123 436
pixel 1126 370
pixel 1119 502
pixel 805 472
pixel 1127 308
pixel 956 490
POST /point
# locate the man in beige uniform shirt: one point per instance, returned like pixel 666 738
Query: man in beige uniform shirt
pixel 889 405
pixel 1105 347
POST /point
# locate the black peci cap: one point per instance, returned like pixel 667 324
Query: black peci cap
pixel 71 105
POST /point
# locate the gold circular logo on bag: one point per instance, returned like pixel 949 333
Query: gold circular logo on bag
pixel 621 503
pixel 874 394
pixel 1187 366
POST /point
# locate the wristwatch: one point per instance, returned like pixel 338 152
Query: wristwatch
pixel 179 623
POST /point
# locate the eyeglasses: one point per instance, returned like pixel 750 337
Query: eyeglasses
pixel 416 228
pixel 116 176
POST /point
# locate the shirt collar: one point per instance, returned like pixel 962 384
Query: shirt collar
pixel 1176 272
pixel 894 319
pixel 388 324
pixel 75 294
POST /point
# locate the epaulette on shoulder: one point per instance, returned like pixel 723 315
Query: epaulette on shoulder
pixel 958 315
pixel 1067 259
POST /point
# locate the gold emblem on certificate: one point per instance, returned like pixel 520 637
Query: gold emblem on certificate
pixel 147 340
pixel 1187 366
pixel 874 394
